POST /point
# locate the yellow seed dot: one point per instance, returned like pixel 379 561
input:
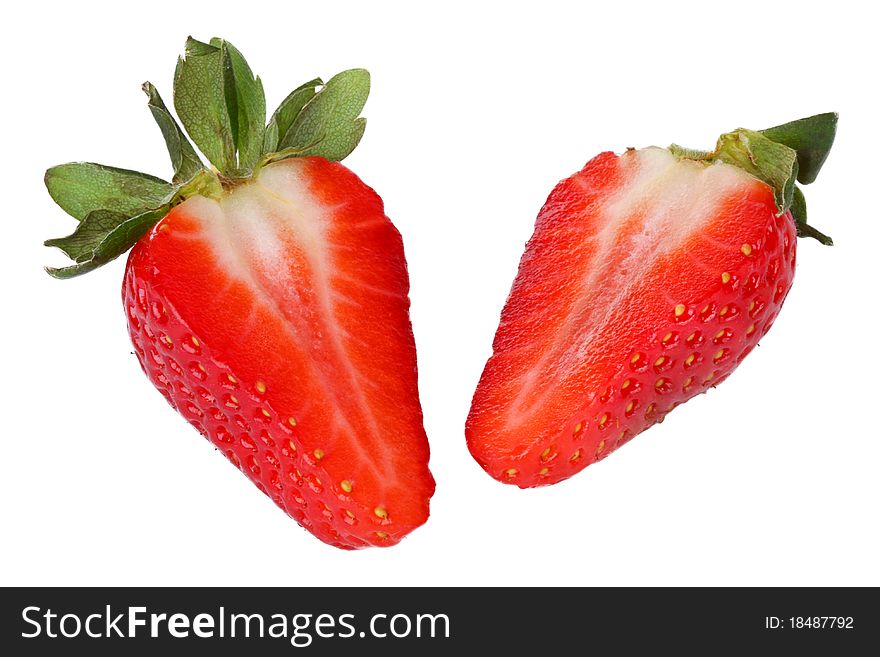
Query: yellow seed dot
pixel 626 384
pixel 650 409
pixel 576 456
pixel 194 340
pixel 319 454
pixel 630 407
pixel 291 421
pixel 511 472
pixel 621 436
pixel 381 512
pixel 720 334
pixel 603 420
pixel 233 399
pixel 679 309
pixel 201 368
pixel 667 338
pixel 291 446
pixel 752 305
pixel 167 340
pixel 746 249
pixel 260 386
pixel 601 446
pixel 349 514
pixel 719 354
pixel 688 382
pixel 578 427
pixel 690 360
pixel 265 412
pixel 660 361
pixel 659 383
pixel 710 377
pixel 381 535
pixel 705 309
pixel 692 337
pixel 635 359
pixel 544 472
pixel 546 453
pixel 231 378
pixel 725 278
pixel 750 330
pixel 345 485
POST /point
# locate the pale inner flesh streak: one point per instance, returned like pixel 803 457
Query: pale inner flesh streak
pixel 671 200
pixel 252 228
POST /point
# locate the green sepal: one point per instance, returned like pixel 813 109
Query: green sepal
pixel 245 104
pixel 221 106
pixel 91 231
pixel 779 156
pixel 286 114
pixel 101 237
pixel 328 125
pixel 184 158
pixel 283 154
pixel 82 187
pixel 774 163
pixel 200 101
pixel 799 214
pixel 811 138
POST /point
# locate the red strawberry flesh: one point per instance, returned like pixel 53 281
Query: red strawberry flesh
pixel 647 280
pixel 276 321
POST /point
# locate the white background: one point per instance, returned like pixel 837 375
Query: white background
pixel 476 111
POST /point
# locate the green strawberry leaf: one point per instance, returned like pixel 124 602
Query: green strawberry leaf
pixel 328 125
pixel 101 237
pixel 222 108
pixel 184 158
pixel 779 156
pixel 200 101
pixel 286 114
pixel 767 160
pixel 245 103
pixel 811 138
pixel 799 213
pixel 79 245
pixel 284 154
pixel 81 187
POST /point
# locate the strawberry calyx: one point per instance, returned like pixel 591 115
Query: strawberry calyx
pixel 222 108
pixel 781 157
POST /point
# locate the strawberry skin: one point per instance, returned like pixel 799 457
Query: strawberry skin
pixel 648 279
pixel 275 320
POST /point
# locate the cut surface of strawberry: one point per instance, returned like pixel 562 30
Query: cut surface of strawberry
pixel 275 320
pixel 267 298
pixel 649 277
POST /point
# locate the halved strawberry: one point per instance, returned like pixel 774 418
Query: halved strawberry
pixel 268 301
pixel 648 279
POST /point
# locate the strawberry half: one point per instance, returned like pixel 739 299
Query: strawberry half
pixel 649 277
pixel 267 298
